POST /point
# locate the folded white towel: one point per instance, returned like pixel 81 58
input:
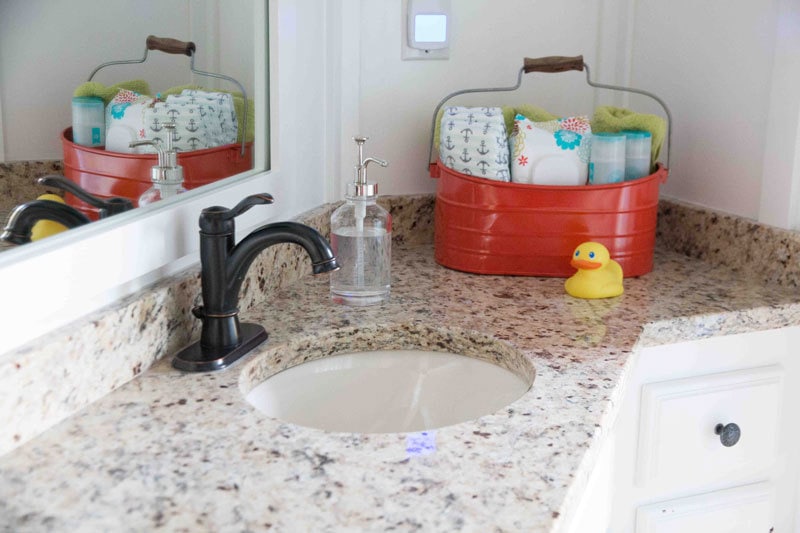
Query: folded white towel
pixel 550 153
pixel 125 121
pixel 473 141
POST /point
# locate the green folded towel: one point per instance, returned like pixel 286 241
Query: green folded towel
pixel 93 88
pixel 238 106
pixel 531 112
pixel 614 119
pixel 536 114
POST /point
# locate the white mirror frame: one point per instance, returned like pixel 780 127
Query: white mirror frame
pixel 53 284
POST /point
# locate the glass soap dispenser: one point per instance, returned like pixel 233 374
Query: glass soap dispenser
pixel 361 238
pixel 167 176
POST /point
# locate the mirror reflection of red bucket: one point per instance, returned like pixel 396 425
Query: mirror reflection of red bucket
pixel 493 227
pixel 108 174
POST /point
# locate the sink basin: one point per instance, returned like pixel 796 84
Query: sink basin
pixel 390 391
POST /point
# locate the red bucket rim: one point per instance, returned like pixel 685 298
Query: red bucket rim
pixel 103 152
pixel 661 173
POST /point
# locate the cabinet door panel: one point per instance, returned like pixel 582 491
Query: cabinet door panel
pixel 747 509
pixel 678 446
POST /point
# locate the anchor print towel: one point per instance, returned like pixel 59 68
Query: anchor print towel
pixel 473 141
pixel 222 124
pixel 202 120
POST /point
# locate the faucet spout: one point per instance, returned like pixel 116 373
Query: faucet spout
pixel 243 254
pixel 223 339
pixel 23 217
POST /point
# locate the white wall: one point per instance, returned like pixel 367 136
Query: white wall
pixel 728 74
pixel 398 97
pixel 49 48
pixel 728 69
pixel 713 62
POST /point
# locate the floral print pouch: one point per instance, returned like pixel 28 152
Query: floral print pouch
pixel 550 153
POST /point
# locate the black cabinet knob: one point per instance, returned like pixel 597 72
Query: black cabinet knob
pixel 729 434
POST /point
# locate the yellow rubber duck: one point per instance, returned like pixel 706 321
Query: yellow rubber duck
pixel 598 275
pixel 45 228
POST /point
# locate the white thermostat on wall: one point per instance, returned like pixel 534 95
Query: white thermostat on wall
pixel 428 25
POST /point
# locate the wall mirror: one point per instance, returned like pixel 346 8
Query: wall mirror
pixel 38 77
pixel 50 283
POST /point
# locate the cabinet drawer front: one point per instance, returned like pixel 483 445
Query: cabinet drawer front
pixel 678 446
pixel 747 509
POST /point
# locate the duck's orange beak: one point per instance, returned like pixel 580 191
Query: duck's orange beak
pixel 585 265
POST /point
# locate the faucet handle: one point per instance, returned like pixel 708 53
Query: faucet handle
pixel 107 207
pixel 217 219
pixel 254 199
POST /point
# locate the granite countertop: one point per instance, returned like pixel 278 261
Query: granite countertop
pixel 185 452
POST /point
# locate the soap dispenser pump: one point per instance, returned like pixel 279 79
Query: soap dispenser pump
pixel 361 238
pixel 167 176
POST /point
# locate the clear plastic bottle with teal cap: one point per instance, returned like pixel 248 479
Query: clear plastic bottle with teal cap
pixel 88 121
pixel 607 162
pixel 637 153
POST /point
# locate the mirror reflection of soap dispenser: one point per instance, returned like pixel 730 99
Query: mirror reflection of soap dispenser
pixel 167 176
pixel 361 238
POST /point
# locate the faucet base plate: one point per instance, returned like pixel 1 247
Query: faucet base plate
pixel 194 359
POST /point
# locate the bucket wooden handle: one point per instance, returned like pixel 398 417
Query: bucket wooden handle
pixel 170 46
pixel 552 64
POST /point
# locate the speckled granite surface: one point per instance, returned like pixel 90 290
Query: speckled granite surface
pixel 53 377
pixel 18 185
pixel 18 181
pixel 739 244
pixel 185 452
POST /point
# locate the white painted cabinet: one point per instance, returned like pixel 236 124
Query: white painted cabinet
pixel 678 444
pixel 706 440
pixel 745 509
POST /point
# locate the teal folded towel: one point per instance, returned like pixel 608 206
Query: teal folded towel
pixel 615 119
pixel 93 88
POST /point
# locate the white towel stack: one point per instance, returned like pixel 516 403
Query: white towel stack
pixel 473 141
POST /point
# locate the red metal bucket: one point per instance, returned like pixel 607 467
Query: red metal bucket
pixel 107 174
pixel 493 227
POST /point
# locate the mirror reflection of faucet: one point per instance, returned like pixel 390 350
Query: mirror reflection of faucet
pixel 167 176
pixel 224 264
pixel 24 218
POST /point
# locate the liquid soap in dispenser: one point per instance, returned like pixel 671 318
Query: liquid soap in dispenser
pixel 361 238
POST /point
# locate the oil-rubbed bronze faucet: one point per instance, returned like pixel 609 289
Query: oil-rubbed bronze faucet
pixel 224 265
pixel 23 217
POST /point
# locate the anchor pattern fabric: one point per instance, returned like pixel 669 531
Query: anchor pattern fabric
pixel 202 119
pixel 473 142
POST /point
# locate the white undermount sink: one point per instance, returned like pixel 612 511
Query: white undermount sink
pixel 388 391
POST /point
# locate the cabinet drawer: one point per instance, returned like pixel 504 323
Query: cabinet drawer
pixel 678 446
pixel 748 509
